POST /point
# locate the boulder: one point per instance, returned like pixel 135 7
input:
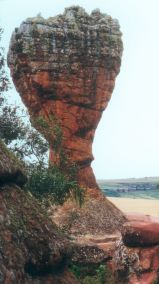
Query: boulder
pixel 135 265
pixel 141 230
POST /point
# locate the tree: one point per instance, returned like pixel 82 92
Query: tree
pixel 20 137
pixel 4 81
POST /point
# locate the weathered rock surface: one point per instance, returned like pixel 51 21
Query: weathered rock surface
pixel 135 265
pixel 97 217
pixel 32 249
pixel 64 69
pixel 141 230
pixel 135 257
pixel 89 254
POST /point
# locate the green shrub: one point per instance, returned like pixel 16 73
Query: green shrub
pixel 92 274
pixel 156 281
pixel 91 280
pixel 51 184
pixel 101 273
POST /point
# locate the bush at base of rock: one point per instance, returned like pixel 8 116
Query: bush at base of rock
pixel 50 184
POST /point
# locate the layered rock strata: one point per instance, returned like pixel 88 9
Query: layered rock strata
pixel 64 69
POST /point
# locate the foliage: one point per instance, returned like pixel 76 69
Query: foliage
pixel 20 137
pixel 87 274
pixel 49 183
pixel 4 81
pixel 12 127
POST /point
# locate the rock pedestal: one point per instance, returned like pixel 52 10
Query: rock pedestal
pixel 64 69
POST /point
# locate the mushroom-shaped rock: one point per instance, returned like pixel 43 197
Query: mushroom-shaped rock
pixel 64 69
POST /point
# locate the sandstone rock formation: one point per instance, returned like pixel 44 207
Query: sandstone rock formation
pixel 96 218
pixel 64 69
pixel 135 265
pixel 136 255
pixel 141 231
pixel 32 249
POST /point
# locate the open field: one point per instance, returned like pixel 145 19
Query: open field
pixel 144 188
pixel 146 206
pixel 130 180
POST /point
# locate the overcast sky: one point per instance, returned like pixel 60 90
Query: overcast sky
pixel 127 139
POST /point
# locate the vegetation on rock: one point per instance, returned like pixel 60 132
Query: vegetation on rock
pixel 4 81
pixel 49 184
pixel 92 274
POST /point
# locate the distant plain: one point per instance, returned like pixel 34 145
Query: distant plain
pixel 133 195
pixel 145 188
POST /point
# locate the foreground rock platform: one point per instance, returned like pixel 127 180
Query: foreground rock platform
pixel 64 69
